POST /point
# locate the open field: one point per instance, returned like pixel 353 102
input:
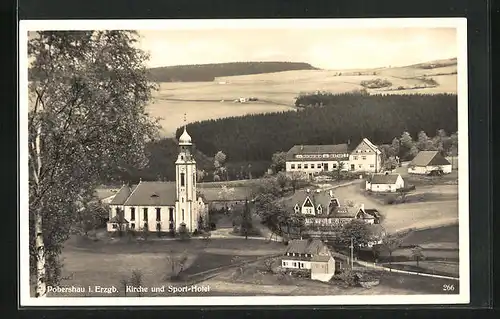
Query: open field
pixel 107 262
pixel 255 279
pixel 276 92
pixel 407 215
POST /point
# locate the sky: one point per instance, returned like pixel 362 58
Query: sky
pixel 333 48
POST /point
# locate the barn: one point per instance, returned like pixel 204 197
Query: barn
pixel 427 162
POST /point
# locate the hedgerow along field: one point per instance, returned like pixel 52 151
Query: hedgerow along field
pixel 276 92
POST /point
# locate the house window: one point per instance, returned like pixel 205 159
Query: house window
pixel 359 165
pixel 299 166
pixel 363 157
pixel 306 166
pixel 377 186
pixel 145 210
pixel 115 226
pixel 132 226
pixel 355 158
pixel 158 214
pixel 284 263
pixel 132 213
pixel 312 165
pixel 294 264
pixel 170 214
pixel 334 166
pixel 372 166
pixel 292 166
pixel 182 179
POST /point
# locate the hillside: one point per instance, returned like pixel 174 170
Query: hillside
pixel 344 117
pixel 277 91
pixel 208 72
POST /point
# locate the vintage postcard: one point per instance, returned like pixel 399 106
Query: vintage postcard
pixel 243 162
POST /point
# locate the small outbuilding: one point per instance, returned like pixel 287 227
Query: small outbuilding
pixel 386 182
pixel 428 162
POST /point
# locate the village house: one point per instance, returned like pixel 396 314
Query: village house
pixel 322 208
pixel 386 182
pixel 314 159
pixel 427 162
pixel 161 206
pixel 366 157
pixel 312 255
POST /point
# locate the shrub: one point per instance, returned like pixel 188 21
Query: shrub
pixel 348 278
pixel 390 200
pixel 183 233
pixel 376 83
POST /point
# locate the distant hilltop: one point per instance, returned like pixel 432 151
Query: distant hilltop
pixel 208 72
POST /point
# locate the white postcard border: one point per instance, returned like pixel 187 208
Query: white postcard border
pixel 36 25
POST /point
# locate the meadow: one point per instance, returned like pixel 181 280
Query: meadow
pixel 276 92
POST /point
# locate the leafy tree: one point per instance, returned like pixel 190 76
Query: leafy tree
pixel 407 146
pixel 393 242
pixel 424 143
pixel 219 162
pixel 246 223
pixel 395 147
pixel 358 231
pixel 278 161
pixel 417 254
pixel 86 121
pixel 282 179
pixel 200 174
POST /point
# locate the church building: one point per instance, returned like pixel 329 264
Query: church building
pixel 162 206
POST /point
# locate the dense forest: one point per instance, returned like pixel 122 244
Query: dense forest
pixel 342 118
pixel 208 72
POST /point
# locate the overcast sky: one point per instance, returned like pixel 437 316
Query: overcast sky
pixel 325 48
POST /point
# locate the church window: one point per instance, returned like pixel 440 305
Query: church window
pixel 158 214
pixel 182 179
pixel 194 178
pixel 145 225
pixel 145 210
pixel 182 157
pixel 132 213
pixel 158 226
pixel 183 214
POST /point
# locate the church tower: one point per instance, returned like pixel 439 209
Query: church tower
pixel 186 206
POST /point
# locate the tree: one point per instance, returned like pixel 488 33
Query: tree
pixel 282 179
pixel 338 169
pixel 86 121
pixel 91 215
pixel 358 231
pixel 424 143
pixel 219 163
pixel 201 223
pixel 176 263
pixel 417 254
pixel 395 147
pixel 136 280
pixel 200 175
pixel 391 243
pixel 407 146
pixel 278 161
pixel 246 221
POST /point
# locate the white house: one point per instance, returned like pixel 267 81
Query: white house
pixel 310 254
pixel 384 182
pixel 312 159
pixel 161 206
pixel 366 157
pixel 428 161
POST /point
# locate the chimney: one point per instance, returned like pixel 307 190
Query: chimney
pixel 362 207
pixel 301 147
pixel 331 193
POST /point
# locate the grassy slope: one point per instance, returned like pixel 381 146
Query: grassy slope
pixel 277 91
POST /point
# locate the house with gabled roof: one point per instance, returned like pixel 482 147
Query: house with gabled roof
pixel 322 208
pixel 426 162
pixel 366 157
pixel 386 182
pixel 312 255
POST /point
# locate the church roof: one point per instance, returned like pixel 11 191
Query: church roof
pixel 185 138
pixel 152 194
pixel 122 195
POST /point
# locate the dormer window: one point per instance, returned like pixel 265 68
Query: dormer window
pixel 296 208
pixel 154 195
pixel 320 209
